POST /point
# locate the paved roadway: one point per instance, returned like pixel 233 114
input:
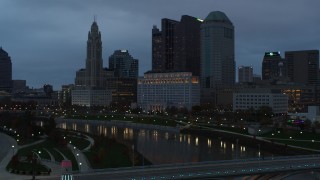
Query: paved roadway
pixel 5 146
pixel 207 170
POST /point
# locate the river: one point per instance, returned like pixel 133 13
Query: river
pixel 161 147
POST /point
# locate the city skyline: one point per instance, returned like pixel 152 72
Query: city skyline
pixel 41 36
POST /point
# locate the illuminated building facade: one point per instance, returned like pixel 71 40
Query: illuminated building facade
pixel 157 91
pixel 124 90
pixel 257 98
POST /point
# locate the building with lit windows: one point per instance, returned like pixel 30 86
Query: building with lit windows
pixel 90 97
pixel 273 66
pixel 157 91
pixel 176 47
pixel 256 98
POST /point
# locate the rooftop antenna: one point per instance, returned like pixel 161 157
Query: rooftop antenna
pixel 95 18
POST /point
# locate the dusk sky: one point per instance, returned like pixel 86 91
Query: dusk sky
pixel 47 39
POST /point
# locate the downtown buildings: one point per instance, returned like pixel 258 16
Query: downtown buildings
pixel 90 87
pixel 98 86
pixel 204 49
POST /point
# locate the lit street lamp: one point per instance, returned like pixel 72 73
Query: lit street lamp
pixel 77 157
pixel 33 164
pixel 12 150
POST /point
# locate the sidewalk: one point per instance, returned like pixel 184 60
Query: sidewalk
pixel 81 158
pixel 4 174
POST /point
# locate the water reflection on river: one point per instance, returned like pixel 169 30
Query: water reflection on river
pixel 161 147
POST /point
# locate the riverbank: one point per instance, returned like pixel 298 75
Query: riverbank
pixel 249 140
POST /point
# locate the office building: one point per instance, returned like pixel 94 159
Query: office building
pixel 124 90
pixel 164 60
pixel 123 64
pixel 157 62
pixel 5 71
pixel 303 66
pixel 217 55
pixel 94 74
pixel 245 74
pixel 177 46
pixel 187 48
pixel 158 91
pixel 257 98
pixel 64 96
pixel 90 89
pixel 91 97
pixel 273 66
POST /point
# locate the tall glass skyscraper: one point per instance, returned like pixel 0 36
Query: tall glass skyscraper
pixel 123 64
pixel 5 71
pixel 217 54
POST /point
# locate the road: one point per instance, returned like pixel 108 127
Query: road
pixel 208 170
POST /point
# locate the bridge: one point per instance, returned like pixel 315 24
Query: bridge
pixel 205 170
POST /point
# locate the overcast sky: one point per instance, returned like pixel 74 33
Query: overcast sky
pixel 46 39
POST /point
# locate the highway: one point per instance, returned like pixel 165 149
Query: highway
pixel 206 170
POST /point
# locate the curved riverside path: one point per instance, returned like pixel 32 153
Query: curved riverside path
pixel 6 153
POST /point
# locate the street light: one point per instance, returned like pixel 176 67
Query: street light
pixel 12 150
pixel 77 157
pixel 80 166
pixel 33 164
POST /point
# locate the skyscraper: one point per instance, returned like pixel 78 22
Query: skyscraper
pixel 94 74
pixel 90 89
pixel 187 48
pixel 123 64
pixel 164 60
pixel 217 54
pixel 94 57
pixel 177 46
pixel 5 71
pixel 245 74
pixel 303 66
pixel 273 66
pixel 157 62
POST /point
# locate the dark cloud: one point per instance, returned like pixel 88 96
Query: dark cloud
pixel 47 39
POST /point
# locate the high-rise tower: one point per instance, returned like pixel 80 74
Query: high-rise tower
pixel 90 89
pixel 303 66
pixel 217 54
pixel 273 66
pixel 123 64
pixel 94 62
pixel 5 71
pixel 177 46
